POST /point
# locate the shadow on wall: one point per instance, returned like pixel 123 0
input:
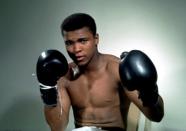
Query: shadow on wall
pixel 24 114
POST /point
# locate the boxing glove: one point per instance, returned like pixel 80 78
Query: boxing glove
pixel 51 65
pixel 137 72
pixel 123 54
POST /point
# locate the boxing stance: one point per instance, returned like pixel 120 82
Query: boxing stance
pixel 51 65
pixel 99 87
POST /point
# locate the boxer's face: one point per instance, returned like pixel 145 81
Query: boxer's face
pixel 81 45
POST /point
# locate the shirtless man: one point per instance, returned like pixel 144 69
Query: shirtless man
pixel 97 86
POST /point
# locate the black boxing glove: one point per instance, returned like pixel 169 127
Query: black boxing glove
pixel 137 72
pixel 123 54
pixel 51 65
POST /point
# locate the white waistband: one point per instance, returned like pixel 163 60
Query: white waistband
pixel 88 128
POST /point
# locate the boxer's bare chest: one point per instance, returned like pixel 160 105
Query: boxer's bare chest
pixel 96 89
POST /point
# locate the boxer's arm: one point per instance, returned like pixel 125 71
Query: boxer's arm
pixel 138 76
pixel 153 113
pixel 58 117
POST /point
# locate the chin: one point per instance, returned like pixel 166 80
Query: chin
pixel 81 63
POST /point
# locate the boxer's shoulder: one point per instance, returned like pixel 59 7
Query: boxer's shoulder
pixel 112 64
pixel 111 57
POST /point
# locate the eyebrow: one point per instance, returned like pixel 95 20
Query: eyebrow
pixel 79 39
pixel 84 38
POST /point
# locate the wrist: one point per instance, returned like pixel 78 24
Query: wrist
pixel 46 86
pixel 149 98
pixel 49 95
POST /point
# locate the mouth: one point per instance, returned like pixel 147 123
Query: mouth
pixel 80 58
pixel 77 58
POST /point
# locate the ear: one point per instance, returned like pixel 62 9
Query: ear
pixel 96 37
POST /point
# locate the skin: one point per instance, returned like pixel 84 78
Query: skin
pixel 95 93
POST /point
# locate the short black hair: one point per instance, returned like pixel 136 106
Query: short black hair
pixel 77 21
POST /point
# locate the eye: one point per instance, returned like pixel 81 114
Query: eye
pixel 68 43
pixel 83 40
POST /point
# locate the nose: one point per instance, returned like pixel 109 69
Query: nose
pixel 77 47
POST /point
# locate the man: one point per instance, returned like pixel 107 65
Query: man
pixel 97 86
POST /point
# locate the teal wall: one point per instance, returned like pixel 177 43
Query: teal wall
pixel 28 27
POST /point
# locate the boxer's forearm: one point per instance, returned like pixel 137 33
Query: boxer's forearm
pixel 56 119
pixel 156 112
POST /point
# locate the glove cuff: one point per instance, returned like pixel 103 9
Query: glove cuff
pixel 46 87
pixel 149 97
pixel 49 95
